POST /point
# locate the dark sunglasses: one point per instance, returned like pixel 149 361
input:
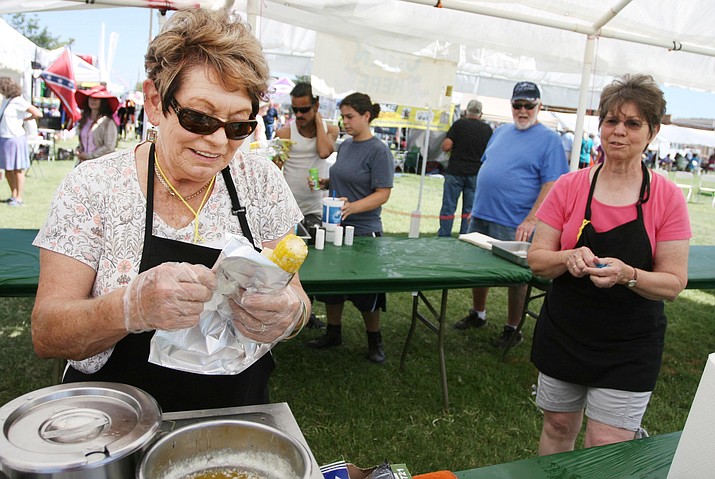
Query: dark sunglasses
pixel 203 124
pixel 301 109
pixel 519 106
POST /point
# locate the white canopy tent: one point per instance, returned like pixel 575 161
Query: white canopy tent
pixel 17 54
pixel 571 48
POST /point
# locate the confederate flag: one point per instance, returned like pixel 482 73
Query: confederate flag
pixel 59 78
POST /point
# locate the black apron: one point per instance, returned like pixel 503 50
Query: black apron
pixel 179 390
pixel 603 337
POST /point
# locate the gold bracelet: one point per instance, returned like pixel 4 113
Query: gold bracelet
pixel 304 316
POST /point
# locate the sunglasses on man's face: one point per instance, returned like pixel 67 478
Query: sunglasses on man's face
pixel 301 109
pixel 203 124
pixel 519 106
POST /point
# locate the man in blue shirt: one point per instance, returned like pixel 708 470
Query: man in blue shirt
pixel 520 165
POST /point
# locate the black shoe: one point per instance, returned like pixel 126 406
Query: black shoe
pixel 332 337
pixel 314 323
pixel 506 336
pixel 472 320
pixel 375 348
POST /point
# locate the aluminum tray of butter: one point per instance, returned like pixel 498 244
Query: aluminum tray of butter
pixel 514 251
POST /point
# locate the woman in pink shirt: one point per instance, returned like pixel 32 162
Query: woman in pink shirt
pixel 614 239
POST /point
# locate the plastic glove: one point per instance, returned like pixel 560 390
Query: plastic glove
pixel 266 317
pixel 167 297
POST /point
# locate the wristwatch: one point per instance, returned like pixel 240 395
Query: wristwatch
pixel 631 283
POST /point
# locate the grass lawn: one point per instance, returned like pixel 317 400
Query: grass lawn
pixel 349 408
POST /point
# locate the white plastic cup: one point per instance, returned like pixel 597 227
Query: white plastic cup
pixel 338 239
pixel 332 211
pixel 349 234
pixel 320 239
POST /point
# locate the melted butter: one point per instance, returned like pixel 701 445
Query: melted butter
pixel 221 473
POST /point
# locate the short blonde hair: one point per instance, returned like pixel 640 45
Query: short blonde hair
pixel 216 39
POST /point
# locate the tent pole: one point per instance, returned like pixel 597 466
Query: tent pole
pixel 417 214
pixel 252 12
pixel 588 56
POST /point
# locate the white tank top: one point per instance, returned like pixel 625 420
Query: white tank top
pixel 303 156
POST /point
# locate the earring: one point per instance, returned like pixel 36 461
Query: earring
pixel 151 135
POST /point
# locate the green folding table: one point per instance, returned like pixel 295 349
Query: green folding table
pixel 391 264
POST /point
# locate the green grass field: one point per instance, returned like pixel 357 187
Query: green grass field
pixel 349 408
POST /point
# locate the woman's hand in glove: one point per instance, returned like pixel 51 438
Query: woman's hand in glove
pixel 167 297
pixel 266 317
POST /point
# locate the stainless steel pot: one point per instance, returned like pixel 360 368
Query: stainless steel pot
pixel 256 449
pixel 91 430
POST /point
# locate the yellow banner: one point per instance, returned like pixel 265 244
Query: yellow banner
pixel 402 116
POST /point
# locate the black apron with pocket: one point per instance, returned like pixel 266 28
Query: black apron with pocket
pixel 603 337
pixel 179 390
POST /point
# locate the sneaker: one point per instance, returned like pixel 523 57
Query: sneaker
pixel 471 320
pixel 327 340
pixel 314 323
pixel 506 336
pixel 15 202
pixel 376 353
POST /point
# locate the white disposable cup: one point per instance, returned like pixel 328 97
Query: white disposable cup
pixel 349 234
pixel 332 212
pixel 320 239
pixel 338 239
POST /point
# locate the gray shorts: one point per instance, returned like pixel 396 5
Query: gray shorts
pixel 613 407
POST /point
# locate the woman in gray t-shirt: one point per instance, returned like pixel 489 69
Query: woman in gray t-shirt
pixel 362 176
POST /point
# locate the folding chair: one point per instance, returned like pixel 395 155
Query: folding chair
pixel 38 153
pixel 684 181
pixel 707 185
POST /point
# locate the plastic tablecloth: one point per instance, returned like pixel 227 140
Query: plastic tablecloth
pixel 392 264
pixel 701 267
pixel 19 263
pixel 386 264
pixel 641 458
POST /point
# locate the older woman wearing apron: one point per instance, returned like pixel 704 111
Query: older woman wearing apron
pixel 131 236
pixel 614 239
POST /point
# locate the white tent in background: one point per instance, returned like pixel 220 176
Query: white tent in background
pixel 571 48
pixel 17 54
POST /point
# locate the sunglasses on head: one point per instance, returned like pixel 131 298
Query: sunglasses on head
pixel 301 109
pixel 519 106
pixel 203 124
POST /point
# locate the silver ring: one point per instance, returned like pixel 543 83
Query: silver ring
pixel 263 328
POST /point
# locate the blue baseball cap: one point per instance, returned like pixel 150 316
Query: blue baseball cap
pixel 526 90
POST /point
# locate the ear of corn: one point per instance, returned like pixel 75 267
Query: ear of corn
pixel 289 254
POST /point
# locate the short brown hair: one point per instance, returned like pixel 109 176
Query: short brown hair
pixel 9 88
pixel 217 39
pixel 638 89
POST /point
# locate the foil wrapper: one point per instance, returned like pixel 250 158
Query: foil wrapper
pixel 214 346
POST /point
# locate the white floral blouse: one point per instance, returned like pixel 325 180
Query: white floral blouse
pixel 97 216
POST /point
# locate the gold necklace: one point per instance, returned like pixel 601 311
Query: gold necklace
pixel 165 181
pixel 172 191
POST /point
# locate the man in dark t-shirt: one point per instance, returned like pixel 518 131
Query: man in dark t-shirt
pixel 270 119
pixel 466 140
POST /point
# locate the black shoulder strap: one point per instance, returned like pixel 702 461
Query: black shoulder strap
pixel 236 208
pixel 6 103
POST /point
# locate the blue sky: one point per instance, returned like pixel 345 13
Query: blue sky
pixel 132 25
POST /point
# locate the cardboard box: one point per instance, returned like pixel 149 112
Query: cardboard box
pixel 345 470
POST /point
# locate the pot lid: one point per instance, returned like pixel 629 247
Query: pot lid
pixel 75 426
